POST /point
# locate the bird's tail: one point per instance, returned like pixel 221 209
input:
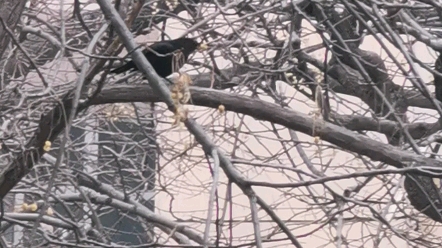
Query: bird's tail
pixel 126 67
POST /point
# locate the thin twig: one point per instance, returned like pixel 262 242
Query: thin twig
pixel 17 43
pixel 213 191
pixel 60 155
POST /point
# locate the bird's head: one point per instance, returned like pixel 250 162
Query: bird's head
pixel 189 45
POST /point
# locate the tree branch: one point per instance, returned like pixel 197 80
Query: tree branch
pixel 273 113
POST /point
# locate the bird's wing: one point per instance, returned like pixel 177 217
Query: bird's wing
pixel 174 62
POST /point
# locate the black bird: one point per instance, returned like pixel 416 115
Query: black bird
pixel 166 57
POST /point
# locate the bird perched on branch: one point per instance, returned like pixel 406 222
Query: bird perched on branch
pixel 166 57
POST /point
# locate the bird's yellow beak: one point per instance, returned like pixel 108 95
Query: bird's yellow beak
pixel 202 47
